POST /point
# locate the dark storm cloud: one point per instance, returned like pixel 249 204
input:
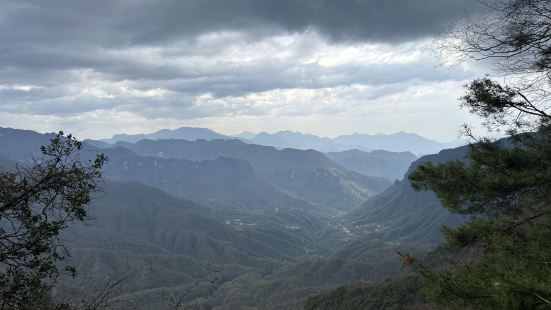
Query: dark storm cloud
pixel 127 22
pixel 61 34
pixel 77 55
pixel 372 20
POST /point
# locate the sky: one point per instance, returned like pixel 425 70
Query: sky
pixel 327 67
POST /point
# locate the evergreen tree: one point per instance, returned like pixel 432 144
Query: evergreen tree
pixel 503 186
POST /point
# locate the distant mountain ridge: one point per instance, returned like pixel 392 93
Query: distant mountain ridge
pixel 297 140
pixel 19 144
pixel 396 142
pixel 184 133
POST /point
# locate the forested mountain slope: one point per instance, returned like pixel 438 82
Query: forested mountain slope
pixel 406 219
pixel 307 175
pixel 172 243
pixel 385 164
pixel 220 182
pixel 402 214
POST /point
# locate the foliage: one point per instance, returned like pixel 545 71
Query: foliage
pixel 395 294
pixel 37 202
pixel 504 186
pixel 514 37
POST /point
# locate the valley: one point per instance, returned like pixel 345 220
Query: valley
pixel 224 224
pixel 275 154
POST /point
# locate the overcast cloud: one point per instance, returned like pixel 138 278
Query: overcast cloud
pixel 96 67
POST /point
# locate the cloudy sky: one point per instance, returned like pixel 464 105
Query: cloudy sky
pixel 326 67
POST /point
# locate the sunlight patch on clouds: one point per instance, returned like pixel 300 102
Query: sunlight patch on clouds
pixel 19 87
pixel 300 48
pixel 369 54
pixel 90 84
pixel 356 99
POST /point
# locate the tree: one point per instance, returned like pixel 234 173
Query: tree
pixel 515 38
pixel 504 187
pixel 37 202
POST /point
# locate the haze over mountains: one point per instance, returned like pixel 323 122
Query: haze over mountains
pixel 397 142
pixel 185 133
pixel 386 164
pixel 275 154
pixel 305 174
pixel 226 224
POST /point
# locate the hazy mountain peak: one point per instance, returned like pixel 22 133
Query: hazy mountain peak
pixel 396 142
pixel 184 133
pixel 247 135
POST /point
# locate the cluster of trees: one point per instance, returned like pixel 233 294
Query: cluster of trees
pixel 503 186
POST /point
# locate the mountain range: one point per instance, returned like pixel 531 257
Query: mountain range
pixel 185 133
pixel 389 165
pixel 304 174
pixel 396 142
pixel 224 224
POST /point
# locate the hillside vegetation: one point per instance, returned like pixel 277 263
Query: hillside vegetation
pixel 218 232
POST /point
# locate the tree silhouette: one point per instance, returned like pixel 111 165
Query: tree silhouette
pixel 37 202
pixel 504 186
